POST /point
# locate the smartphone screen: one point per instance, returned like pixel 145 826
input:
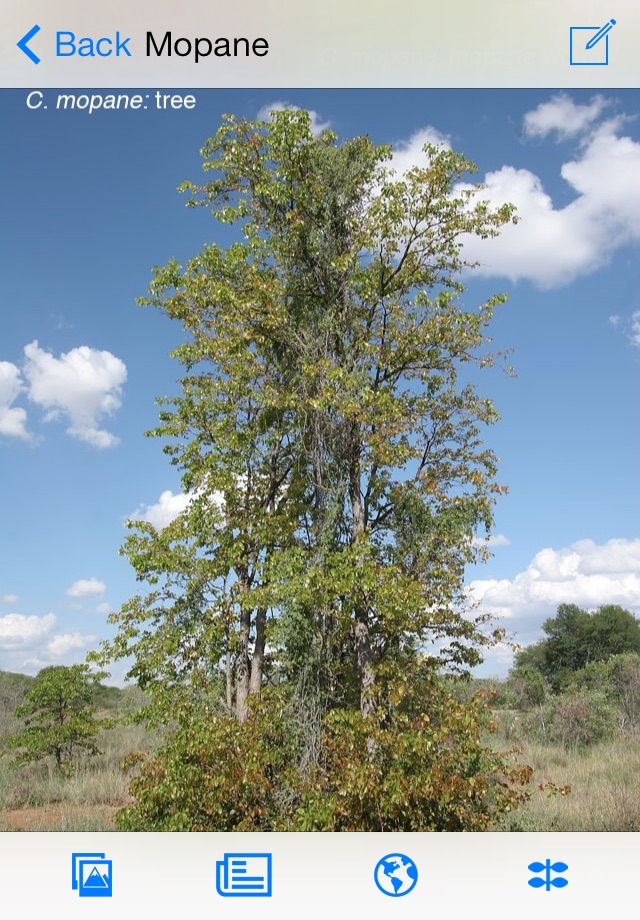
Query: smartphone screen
pixel 318 425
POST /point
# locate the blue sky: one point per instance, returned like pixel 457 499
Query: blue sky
pixel 89 205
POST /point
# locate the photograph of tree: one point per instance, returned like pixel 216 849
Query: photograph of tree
pixel 319 500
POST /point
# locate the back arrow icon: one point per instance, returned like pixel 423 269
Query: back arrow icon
pixel 22 44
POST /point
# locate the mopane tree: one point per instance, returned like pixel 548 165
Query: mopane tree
pixel 329 436
pixel 58 716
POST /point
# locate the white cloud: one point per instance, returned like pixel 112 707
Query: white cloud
pixel 552 246
pixel 496 660
pixel 409 153
pixel 33 665
pixel 83 384
pixel 87 587
pixel 19 630
pixel 8 598
pixel 103 608
pixel 563 116
pixel 317 124
pixel 64 643
pixel 635 328
pixel 165 510
pixel 493 541
pixel 13 420
pixel 585 573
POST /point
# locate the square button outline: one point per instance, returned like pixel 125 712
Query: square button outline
pixel 593 29
pixel 91 893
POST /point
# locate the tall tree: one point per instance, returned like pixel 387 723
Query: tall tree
pixel 328 434
pixel 330 448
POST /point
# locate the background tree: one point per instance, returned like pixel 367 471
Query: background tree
pixel 576 638
pixel 524 688
pixel 329 436
pixel 58 716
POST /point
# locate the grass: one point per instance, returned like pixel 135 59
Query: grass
pixel 604 781
pixel 38 797
pixel 604 778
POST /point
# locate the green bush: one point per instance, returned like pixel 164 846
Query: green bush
pixel 619 679
pixel 524 688
pixel 574 719
pixel 286 770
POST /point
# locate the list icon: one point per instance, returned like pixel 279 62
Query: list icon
pixel 244 875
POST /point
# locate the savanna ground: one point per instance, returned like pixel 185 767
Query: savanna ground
pixel 37 797
pixel 604 778
pixel 580 789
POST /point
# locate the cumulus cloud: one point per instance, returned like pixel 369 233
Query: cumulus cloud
pixel 170 505
pixel 409 153
pixel 87 587
pixel 317 124
pixel 64 643
pixel 17 630
pixel 29 643
pixel 103 608
pixel 635 328
pixel 83 385
pixel 33 665
pixel 165 510
pixel 584 573
pixel 552 246
pixel 8 598
pixel 562 116
pixel 13 420
pixel 495 540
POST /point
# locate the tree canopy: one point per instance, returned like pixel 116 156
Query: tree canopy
pixel 576 638
pixel 58 716
pixel 328 434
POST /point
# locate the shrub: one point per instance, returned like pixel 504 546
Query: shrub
pixel 337 772
pixel 625 677
pixel 213 773
pixel 524 688
pixel 418 774
pixel 577 718
pixel 619 679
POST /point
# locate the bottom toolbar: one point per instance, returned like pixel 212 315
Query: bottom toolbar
pixel 284 875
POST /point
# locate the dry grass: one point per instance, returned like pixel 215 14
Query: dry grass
pixel 38 797
pixel 605 788
pixel 604 781
pixel 60 818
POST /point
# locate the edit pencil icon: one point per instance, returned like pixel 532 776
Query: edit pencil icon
pixel 601 34
pixel 589 45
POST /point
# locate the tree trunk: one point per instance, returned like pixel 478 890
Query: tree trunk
pixel 242 666
pixel 229 680
pixel 257 662
pixel 364 653
pixel 365 669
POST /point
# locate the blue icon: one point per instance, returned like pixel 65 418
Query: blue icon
pixel 91 875
pixel 396 875
pixel 24 41
pixel 546 882
pixel 244 875
pixel 589 45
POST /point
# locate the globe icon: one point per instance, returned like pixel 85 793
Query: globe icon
pixel 396 875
